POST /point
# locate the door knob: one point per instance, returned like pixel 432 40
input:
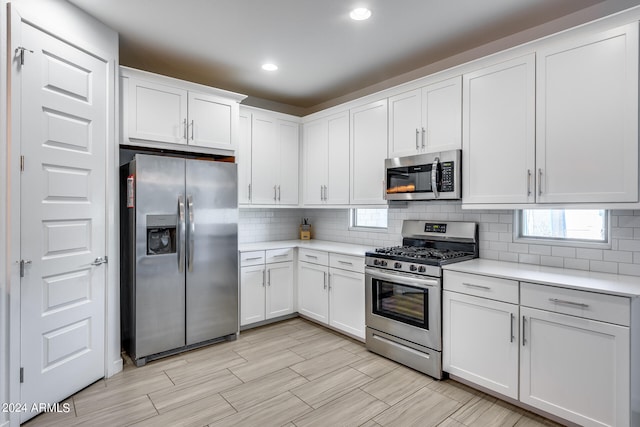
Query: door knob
pixel 100 261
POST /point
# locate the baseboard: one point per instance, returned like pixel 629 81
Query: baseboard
pixel 116 366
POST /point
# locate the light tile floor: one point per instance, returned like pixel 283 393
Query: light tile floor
pixel 292 373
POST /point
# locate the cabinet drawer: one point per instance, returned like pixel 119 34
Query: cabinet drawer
pixel 590 305
pixel 279 255
pixel 251 258
pixel 347 262
pixel 315 257
pixel 482 286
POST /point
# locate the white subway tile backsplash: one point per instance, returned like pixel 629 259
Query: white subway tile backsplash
pixel 496 234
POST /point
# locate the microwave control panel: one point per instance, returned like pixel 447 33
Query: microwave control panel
pixel 447 177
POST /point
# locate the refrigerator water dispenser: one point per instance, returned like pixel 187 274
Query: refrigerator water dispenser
pixel 161 234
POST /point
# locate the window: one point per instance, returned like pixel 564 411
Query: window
pixel 574 226
pixel 368 218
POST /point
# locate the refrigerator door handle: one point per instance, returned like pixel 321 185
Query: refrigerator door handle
pixel 191 232
pixel 181 232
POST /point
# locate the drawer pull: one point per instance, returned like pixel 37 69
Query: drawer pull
pixel 311 256
pixel 280 256
pixel 254 258
pixel 575 304
pixel 345 262
pixel 471 285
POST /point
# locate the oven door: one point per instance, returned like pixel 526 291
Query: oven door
pixel 404 305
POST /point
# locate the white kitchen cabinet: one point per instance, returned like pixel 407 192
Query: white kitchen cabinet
pixel 243 158
pixel 158 109
pixel 587 118
pixel 498 139
pixel 266 285
pixel 368 153
pixel 326 161
pixel 480 330
pixel 313 301
pixel 426 120
pixel 346 301
pixel 274 160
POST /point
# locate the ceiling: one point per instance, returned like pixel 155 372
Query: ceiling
pixel 322 54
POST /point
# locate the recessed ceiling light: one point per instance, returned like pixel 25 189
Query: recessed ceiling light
pixel 360 14
pixel 269 67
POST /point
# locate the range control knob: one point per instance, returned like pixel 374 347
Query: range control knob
pixel 397 265
pixel 422 269
pixel 413 267
pixel 377 262
pixel 383 263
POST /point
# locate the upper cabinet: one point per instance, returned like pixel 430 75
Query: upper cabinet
pixel 268 158
pixel 426 120
pixel 368 153
pixel 159 110
pixel 559 127
pixel 499 132
pixel 587 118
pixel 325 170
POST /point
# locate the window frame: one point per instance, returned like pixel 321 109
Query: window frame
pixel 554 241
pixel 352 212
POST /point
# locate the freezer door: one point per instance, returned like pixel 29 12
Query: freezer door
pixel 212 250
pixel 159 283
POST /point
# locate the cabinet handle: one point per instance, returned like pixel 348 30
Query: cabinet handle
pixel 561 301
pixel 424 134
pixel 528 182
pixel 280 255
pixel 417 137
pixel 384 190
pixel 512 317
pixel 192 130
pixel 184 126
pixel 322 192
pixel 269 277
pixel 311 256
pixel 263 277
pixel 471 285
pixel 253 259
pixel 279 193
pixel 539 181
pixel 345 262
pixel 524 340
pixel 275 194
pixel 329 282
pixel 325 280
pixel 325 193
pixel 249 192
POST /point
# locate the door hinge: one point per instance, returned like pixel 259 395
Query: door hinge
pixel 21 375
pixel 21 163
pixel 20 51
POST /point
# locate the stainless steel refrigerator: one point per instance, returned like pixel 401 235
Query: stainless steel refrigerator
pixel 179 254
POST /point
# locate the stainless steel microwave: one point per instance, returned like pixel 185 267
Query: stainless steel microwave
pixel 429 176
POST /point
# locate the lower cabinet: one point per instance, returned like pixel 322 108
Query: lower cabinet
pixel 266 288
pixel 331 295
pixel 563 351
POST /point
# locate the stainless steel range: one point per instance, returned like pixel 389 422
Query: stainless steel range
pixel 404 291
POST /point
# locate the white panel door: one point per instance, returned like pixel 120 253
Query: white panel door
pixel 442 116
pixel 587 118
pixel 337 191
pixel 279 293
pixel 243 158
pixel 313 298
pixel 212 121
pixel 405 124
pixel 63 127
pixel 480 341
pixel 265 160
pixel 252 293
pixel 289 146
pixel 315 150
pixel 368 152
pixel 499 133
pixel 575 368
pixel 157 112
pixel 346 302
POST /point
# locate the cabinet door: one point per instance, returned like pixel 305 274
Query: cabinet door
pixel 213 121
pixel 315 150
pixel 442 116
pixel 405 124
pixel 480 341
pixel 587 118
pixel 337 191
pixel 265 156
pixel 575 368
pixel 368 152
pixel 157 112
pixel 279 296
pixel 346 302
pixel 288 142
pixel 243 158
pixel 252 289
pixel 313 299
pixel 498 133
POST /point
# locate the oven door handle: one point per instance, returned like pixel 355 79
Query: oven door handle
pixel 418 282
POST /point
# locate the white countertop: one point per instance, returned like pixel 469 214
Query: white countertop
pixel 320 245
pixel 614 284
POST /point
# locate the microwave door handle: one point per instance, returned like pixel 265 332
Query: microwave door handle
pixel 434 177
